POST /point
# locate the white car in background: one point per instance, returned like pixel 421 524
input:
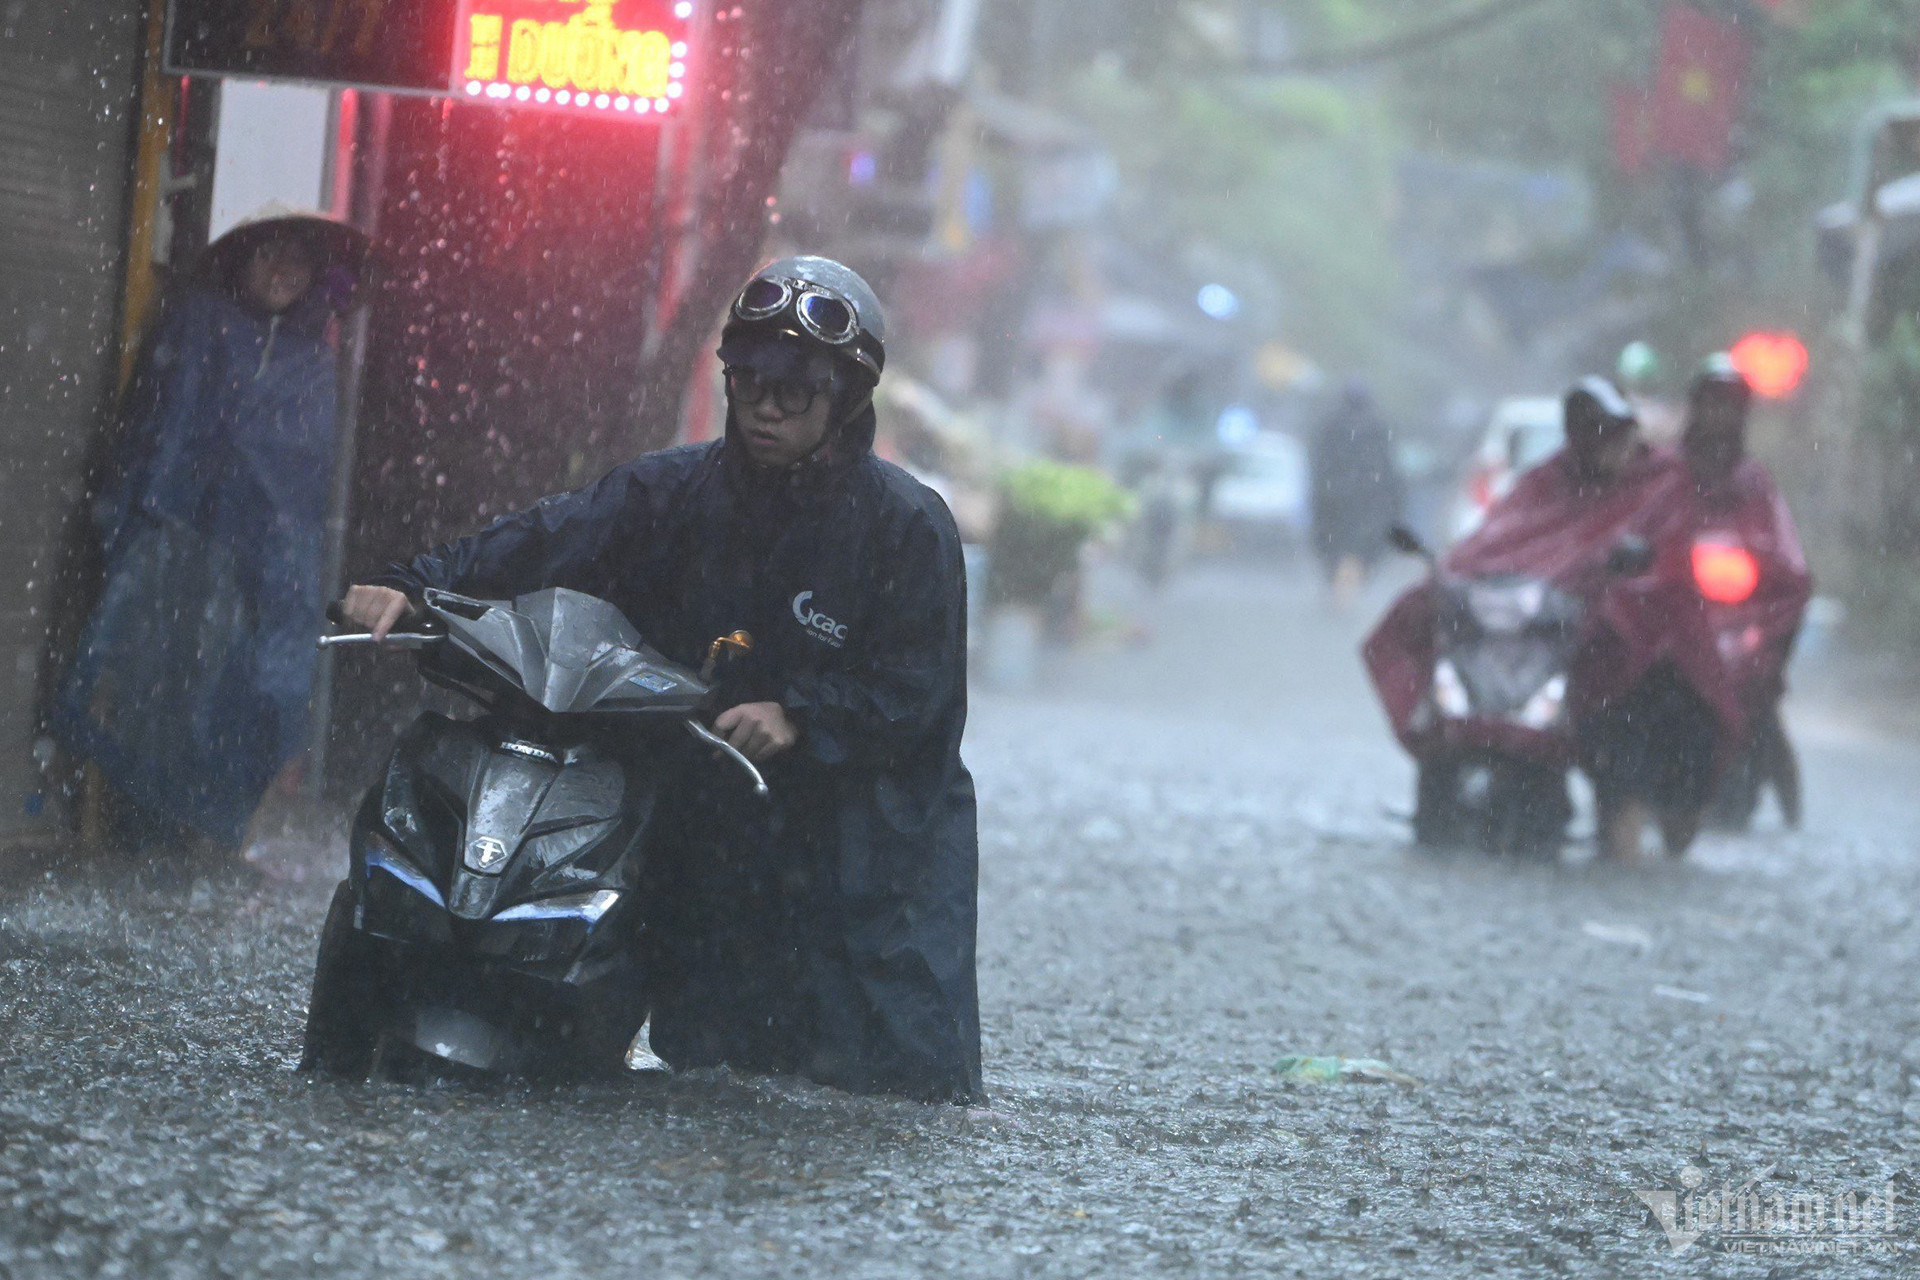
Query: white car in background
pixel 1523 432
pixel 1262 500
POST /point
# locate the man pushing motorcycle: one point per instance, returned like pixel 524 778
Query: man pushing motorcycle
pixel 828 932
pixel 1743 551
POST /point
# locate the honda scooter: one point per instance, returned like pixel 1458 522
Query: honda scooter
pixel 1489 731
pixel 490 916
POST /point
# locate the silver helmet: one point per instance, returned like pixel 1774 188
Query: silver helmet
pixel 814 298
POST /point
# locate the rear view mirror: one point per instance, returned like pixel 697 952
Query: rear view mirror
pixel 737 642
pixel 1407 542
pixel 1630 557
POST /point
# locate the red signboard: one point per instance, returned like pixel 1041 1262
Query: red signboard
pixel 613 57
pixel 609 57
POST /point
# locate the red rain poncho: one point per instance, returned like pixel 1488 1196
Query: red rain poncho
pixel 1705 533
pixel 1554 528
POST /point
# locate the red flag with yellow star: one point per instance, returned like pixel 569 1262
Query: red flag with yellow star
pixel 1698 89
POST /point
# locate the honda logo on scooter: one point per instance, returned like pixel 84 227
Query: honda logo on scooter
pixel 818 625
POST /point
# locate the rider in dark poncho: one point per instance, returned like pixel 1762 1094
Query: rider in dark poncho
pixel 830 933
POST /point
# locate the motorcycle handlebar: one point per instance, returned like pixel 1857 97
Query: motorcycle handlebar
pixel 714 740
pixel 415 639
pixel 428 631
pixel 395 639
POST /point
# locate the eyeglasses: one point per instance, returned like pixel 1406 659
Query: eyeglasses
pixel 829 318
pixel 749 387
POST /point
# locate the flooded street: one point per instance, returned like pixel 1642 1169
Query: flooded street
pixel 1189 870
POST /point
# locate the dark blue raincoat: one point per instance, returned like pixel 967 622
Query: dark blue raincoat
pixel 190 685
pixel 830 933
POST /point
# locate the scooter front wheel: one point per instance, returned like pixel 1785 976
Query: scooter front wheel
pixel 346 1010
pixel 1438 821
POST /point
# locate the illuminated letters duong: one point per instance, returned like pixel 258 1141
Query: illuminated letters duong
pixel 615 56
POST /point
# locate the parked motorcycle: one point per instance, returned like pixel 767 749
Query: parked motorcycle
pixel 490 914
pixel 1490 735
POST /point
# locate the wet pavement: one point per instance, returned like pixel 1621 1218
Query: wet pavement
pixel 1189 869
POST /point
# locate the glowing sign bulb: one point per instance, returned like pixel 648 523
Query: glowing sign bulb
pixel 683 10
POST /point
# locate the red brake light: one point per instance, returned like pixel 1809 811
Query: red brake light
pixel 1772 363
pixel 1724 572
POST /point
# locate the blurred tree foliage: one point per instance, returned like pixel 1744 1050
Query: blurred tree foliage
pixel 1536 89
pixel 1292 175
pixel 1268 131
pixel 1295 170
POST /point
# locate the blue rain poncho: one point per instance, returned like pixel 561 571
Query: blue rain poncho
pixel 190 684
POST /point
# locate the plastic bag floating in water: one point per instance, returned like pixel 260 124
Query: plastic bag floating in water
pixel 1330 1070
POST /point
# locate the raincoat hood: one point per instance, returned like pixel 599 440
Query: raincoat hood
pixel 783 358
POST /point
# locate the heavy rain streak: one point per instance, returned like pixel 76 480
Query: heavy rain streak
pixel 983 638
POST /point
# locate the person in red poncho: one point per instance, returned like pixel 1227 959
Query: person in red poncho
pixel 1745 556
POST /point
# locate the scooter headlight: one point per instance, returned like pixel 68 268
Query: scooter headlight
pixel 1450 691
pixel 1544 708
pixel 383 856
pixel 571 906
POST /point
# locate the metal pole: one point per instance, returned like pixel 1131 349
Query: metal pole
pixel 367 170
pixel 334 557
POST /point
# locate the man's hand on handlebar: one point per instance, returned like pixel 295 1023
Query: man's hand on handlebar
pixel 757 730
pixel 378 609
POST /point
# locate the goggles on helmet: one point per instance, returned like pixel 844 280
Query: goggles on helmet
pixel 825 316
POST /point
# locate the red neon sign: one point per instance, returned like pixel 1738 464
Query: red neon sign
pixel 612 57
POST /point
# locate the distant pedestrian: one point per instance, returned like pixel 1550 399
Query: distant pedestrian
pixel 1159 521
pixel 189 687
pixel 1357 494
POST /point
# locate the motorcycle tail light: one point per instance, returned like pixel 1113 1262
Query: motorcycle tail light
pixel 1725 572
